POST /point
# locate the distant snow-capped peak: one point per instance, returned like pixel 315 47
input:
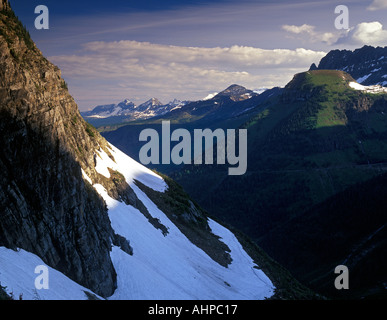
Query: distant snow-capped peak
pixel 260 90
pixel 126 108
pixel 210 96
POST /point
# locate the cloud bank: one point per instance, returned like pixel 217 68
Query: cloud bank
pixel 110 71
pixel 371 33
pixel 311 34
pixel 365 33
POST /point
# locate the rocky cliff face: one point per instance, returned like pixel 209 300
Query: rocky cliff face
pixel 4 4
pixel 45 205
pixel 368 65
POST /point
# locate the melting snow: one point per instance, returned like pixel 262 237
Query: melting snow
pixel 177 107
pixel 161 267
pixel 129 168
pixel 171 267
pixel 369 89
pixel 17 273
pixel 84 175
pixel 364 78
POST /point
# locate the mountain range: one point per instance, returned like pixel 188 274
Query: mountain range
pixel 126 110
pixel 112 116
pixel 228 109
pixel 313 196
pixel 368 65
pixel 101 224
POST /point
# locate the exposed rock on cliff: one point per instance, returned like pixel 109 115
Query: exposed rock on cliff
pixel 45 206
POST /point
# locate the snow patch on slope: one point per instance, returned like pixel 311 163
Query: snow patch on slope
pixel 84 175
pixel 260 90
pixel 171 267
pixel 368 89
pixel 17 273
pixel 129 168
pixel 210 96
pixel 364 78
pixel 162 267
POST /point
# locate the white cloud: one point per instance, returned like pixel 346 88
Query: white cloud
pixel 128 69
pixel 312 35
pixel 365 33
pixel 305 28
pixel 377 5
pixel 370 33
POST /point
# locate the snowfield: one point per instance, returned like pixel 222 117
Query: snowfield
pixel 162 267
pixel 129 168
pixel 17 273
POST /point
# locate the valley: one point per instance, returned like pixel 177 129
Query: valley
pixel 309 142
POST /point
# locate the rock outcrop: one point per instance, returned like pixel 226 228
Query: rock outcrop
pixel 45 205
pixel 368 65
pixel 4 5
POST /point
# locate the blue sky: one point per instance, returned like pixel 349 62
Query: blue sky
pixel 112 50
